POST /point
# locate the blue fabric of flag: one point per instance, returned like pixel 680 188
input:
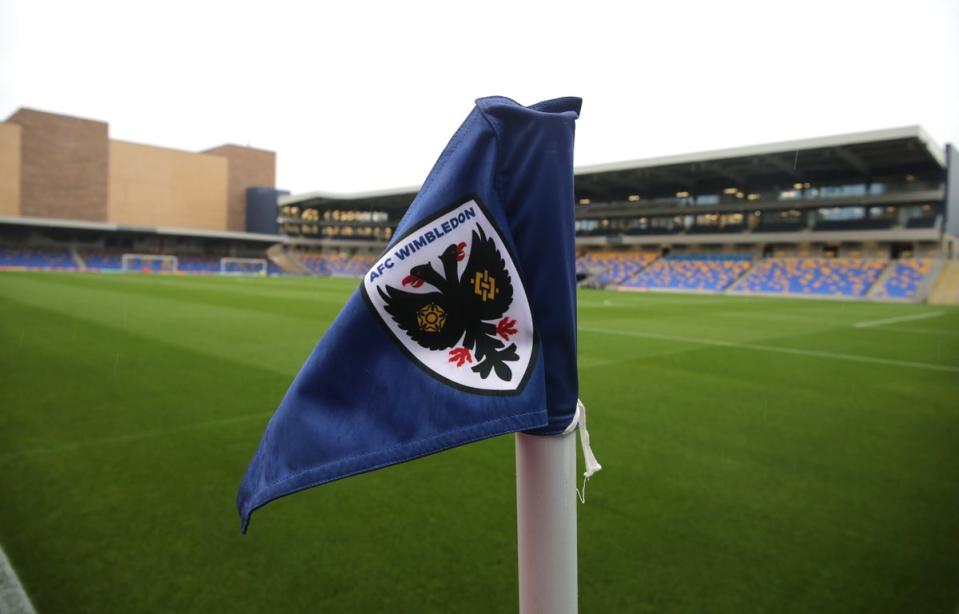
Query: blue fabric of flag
pixel 368 396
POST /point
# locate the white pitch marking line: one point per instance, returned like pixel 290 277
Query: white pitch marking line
pixel 921 316
pixel 935 332
pixel 13 599
pixel 780 350
pixel 160 432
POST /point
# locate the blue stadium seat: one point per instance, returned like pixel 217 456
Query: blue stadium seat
pixel 905 278
pixel 336 264
pixel 814 276
pixel 713 272
pixel 614 267
pixel 33 258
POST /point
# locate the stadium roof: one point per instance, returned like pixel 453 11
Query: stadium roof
pixel 384 199
pixel 871 137
pixel 822 159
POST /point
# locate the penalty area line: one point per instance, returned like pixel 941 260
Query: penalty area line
pixel 13 599
pixel 779 350
pixel 921 316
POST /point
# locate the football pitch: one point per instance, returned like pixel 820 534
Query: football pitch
pixel 760 455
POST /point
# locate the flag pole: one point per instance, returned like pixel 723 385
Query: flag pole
pixel 546 523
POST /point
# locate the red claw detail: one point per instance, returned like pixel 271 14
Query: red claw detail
pixel 506 327
pixel 460 356
pixel 460 251
pixel 412 280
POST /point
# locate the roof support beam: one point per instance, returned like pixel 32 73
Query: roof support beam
pixel 724 172
pixel 791 169
pixel 853 160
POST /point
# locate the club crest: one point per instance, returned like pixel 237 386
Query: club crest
pixel 450 294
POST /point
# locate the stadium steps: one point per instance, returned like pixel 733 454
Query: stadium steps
pixel 589 281
pixel 286 261
pixel 741 280
pixel 926 286
pixel 946 289
pixel 641 269
pixel 742 276
pixel 78 259
pixel 880 283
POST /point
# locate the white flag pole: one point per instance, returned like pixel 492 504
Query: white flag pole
pixel 546 523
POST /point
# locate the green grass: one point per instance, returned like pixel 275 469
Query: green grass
pixel 782 472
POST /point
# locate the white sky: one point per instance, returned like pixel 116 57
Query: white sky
pixel 361 95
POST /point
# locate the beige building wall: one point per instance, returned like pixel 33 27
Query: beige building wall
pixel 9 169
pixel 155 186
pixel 249 168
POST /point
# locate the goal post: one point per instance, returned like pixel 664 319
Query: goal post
pixel 149 263
pixel 243 266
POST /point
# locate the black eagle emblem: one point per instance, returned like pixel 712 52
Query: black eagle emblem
pixel 460 307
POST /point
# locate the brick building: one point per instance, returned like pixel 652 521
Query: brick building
pixel 63 167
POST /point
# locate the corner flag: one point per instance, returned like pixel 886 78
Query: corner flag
pixel 465 328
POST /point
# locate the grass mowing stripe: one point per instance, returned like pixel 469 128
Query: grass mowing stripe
pixel 315 291
pixel 222 331
pixel 781 350
pixel 935 332
pixel 258 298
pixel 735 482
pixel 920 316
pixel 595 363
pixel 80 445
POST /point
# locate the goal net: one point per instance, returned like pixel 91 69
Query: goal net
pixel 243 266
pixel 149 263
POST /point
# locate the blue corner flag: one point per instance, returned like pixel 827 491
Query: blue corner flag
pixel 465 328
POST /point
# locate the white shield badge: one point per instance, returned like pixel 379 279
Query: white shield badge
pixel 449 293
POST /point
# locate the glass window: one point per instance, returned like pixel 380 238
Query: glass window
pixel 841 213
pixel 843 191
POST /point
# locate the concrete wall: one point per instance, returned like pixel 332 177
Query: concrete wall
pixel 155 186
pixel 249 168
pixel 9 169
pixel 63 166
pixel 952 190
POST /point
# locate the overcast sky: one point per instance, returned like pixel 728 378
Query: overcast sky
pixel 357 96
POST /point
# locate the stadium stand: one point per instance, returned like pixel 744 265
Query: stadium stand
pixel 198 264
pixel 905 278
pixel 728 228
pixel 922 222
pixel 614 267
pixel 335 263
pixel 863 224
pixel 946 289
pixel 779 226
pixel 692 272
pixel 638 231
pixel 111 260
pixel 850 277
pixel 32 258
pixel 102 259
pixel 714 213
pixel 283 259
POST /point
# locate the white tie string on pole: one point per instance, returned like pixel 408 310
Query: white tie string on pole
pixel 546 517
